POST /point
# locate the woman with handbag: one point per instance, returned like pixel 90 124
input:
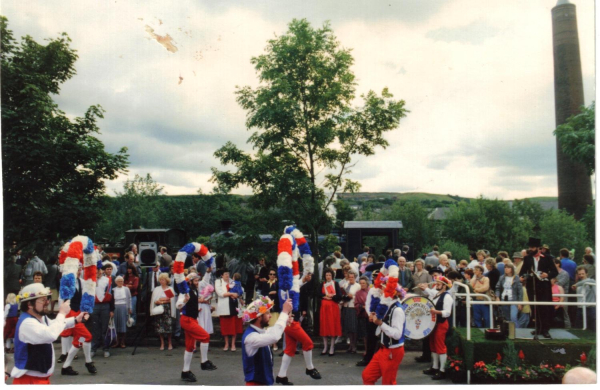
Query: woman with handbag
pixel 162 308
pixel 330 323
pixel 226 308
pixel 360 300
pixel 122 298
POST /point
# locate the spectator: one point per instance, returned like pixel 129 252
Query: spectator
pixel 568 265
pixel 363 256
pixel 524 311
pixel 122 298
pixel 420 276
pixel 461 306
pixel 370 260
pixel 493 273
pixel 404 275
pixel 590 251
pixel 132 282
pixel 444 263
pixel 462 266
pixel 588 264
pixel 433 259
pixel 509 289
pixel 34 265
pixel 472 260
pixel 38 277
pixel 481 285
pixel 227 305
pixel 104 309
pixel 451 261
pixel 586 287
pixel 129 259
pixel 330 323
pixel 270 289
pixel 12 276
pixel 349 317
pixel 52 281
pixel 306 292
pixel 559 312
pixel 163 296
pixel 11 317
pixel 407 253
pixel 579 376
pixel 360 300
pixel 518 262
pixel 500 265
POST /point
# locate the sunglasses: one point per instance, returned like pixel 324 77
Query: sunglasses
pixel 272 274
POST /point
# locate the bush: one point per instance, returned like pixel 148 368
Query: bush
pixel 561 230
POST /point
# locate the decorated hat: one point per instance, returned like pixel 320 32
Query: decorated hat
pixel 33 291
pixel 436 269
pixel 107 264
pixel 387 282
pixel 256 309
pixel 534 242
pixel 443 280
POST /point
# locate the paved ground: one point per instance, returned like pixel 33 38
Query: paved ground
pixel 152 366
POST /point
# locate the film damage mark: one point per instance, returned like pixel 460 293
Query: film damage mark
pixel 166 41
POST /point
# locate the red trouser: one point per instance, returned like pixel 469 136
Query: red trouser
pixel 78 331
pixel 294 334
pixel 254 384
pixel 384 364
pixel 437 340
pixel 193 332
pixel 31 380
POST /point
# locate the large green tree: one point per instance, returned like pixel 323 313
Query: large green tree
pixel 577 137
pixel 559 229
pixel 306 131
pixel 417 229
pixel 53 168
pixel 487 224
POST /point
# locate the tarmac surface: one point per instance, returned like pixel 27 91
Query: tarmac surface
pixel 150 366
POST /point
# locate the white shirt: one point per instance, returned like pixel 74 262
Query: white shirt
pixel 472 264
pixel 396 329
pixel 101 286
pixel 265 337
pixel 32 331
pixel 351 289
pixel 507 291
pixel 122 296
pixel 447 308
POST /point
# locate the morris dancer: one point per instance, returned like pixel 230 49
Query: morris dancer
pixel 391 321
pixel 34 353
pixel 290 246
pixel 78 335
pixel 257 357
pixel 443 310
pixel 188 304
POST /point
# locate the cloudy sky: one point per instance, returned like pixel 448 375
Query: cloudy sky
pixel 477 77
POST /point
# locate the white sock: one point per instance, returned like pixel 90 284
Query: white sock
pixel 325 344
pixel 187 360
pixel 435 360
pixel 285 364
pixel 308 359
pixel 87 351
pixel 332 347
pixel 70 356
pixel 65 343
pixel 203 352
pixel 443 358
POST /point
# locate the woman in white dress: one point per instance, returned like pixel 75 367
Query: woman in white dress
pixel 204 307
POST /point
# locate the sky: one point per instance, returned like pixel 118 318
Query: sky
pixel 476 76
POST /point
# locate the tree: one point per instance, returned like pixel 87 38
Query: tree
pixel 487 224
pixel 417 229
pixel 577 137
pixel 343 212
pixel 559 230
pixel 306 132
pixel 533 211
pixel 53 168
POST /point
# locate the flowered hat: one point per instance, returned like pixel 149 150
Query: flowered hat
pixel 33 291
pixel 443 280
pixel 257 308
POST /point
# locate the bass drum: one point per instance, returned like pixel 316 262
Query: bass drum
pixel 419 320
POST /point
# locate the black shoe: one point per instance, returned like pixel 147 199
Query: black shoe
pixel 68 371
pixel 313 373
pixel 323 353
pixel 62 358
pixel 284 381
pixel 188 376
pixel 440 375
pixel 423 359
pixel 430 371
pixel 281 354
pixel 546 334
pixel 331 354
pixel 208 365
pixel 297 352
pixel 362 363
pixel 91 368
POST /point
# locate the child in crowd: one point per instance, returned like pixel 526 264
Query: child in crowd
pixel 11 317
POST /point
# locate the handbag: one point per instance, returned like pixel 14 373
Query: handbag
pixel 158 310
pixel 111 334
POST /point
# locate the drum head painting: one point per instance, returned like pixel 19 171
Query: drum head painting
pixel 419 320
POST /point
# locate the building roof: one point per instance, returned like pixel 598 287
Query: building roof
pixel 373 225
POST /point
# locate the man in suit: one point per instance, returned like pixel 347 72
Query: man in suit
pixel 404 275
pixel 535 263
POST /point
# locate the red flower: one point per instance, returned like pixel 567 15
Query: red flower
pixel 456 368
pixel 583 358
pixel 521 355
pixel 499 357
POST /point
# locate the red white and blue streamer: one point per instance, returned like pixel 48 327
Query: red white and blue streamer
pixel 178 265
pixel 291 245
pixel 80 251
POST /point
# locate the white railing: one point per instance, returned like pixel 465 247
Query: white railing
pixel 491 303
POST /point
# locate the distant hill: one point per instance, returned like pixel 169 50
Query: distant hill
pixel 420 196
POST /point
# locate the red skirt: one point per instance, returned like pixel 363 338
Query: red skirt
pixel 230 325
pixel 9 327
pixel 330 322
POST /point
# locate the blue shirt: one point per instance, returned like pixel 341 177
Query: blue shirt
pixel 570 266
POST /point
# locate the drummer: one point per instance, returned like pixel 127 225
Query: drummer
pixel 443 310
